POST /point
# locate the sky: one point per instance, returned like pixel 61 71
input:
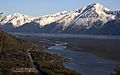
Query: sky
pixel 45 7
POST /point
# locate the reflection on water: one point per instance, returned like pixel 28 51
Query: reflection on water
pixel 83 62
pixel 57 47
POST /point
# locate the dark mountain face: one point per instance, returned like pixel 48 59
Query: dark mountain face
pixel 28 28
pixel 94 29
pixel 8 27
pixel 52 28
pixel 111 28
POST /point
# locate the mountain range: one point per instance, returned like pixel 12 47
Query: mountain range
pixel 93 19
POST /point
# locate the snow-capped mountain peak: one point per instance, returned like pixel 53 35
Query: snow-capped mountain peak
pixel 87 16
pixel 96 10
pixel 98 7
pixel 95 7
pixel 17 19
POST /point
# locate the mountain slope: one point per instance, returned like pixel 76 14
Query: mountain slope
pixel 17 19
pixel 47 19
pixel 87 20
pixel 110 28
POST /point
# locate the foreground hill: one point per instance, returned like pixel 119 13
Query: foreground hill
pixel 13 55
pixel 92 19
pixel 8 42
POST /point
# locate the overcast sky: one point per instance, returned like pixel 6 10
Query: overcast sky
pixel 44 7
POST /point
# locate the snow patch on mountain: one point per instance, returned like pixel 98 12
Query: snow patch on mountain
pixel 47 19
pixel 68 19
pixel 17 19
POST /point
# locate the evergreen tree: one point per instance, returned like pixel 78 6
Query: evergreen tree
pixel 1 15
pixel 117 70
pixel 0 20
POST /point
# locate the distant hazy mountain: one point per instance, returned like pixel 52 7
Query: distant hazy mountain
pixel 92 19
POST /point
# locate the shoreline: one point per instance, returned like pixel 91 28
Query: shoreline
pixel 59 60
pixel 106 51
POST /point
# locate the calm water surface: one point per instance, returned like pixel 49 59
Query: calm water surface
pixel 83 62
